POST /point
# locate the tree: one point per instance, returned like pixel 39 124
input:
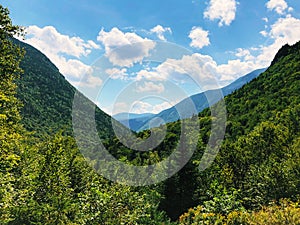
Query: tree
pixel 11 130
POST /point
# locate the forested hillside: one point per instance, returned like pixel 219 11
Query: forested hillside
pixel 43 177
pixel 47 96
pixel 259 159
pixel 199 100
pixel 255 178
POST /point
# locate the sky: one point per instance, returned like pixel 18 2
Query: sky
pixel 145 56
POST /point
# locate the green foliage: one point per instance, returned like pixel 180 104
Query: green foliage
pixel 257 162
pixel 222 200
pixel 45 180
pixel 285 212
pixel 48 97
pixel 11 135
pixel 65 190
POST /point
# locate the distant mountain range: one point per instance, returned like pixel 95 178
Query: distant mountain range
pixel 125 116
pixel 133 120
pixel 47 97
pixel 138 122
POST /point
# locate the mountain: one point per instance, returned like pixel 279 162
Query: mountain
pixel 257 165
pixel 132 120
pixel 199 100
pixel 131 116
pixel 47 97
pixel 258 160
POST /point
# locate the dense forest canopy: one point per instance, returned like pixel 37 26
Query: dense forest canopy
pixel 44 179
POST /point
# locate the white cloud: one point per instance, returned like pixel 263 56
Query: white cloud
pixel 283 31
pixel 199 38
pixel 116 73
pixel 200 68
pixel 160 30
pixel 203 69
pixel 244 53
pixel 117 107
pixel 286 29
pixel 89 81
pixel 234 69
pixel 137 107
pixel 196 66
pixel 153 75
pixel 206 72
pixel 72 68
pixel 48 39
pixel 142 107
pixel 264 33
pixel 150 87
pixel 222 10
pixel 124 49
pixel 265 19
pixel 278 5
pixel 57 47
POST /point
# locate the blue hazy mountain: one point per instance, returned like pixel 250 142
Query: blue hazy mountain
pixel 132 120
pixel 138 122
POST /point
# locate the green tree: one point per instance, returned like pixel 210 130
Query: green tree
pixel 11 130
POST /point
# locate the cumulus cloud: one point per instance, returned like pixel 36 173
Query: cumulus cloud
pixel 209 74
pixel 152 75
pixel 204 70
pixel 199 68
pixel 117 73
pixel 286 29
pixel 116 108
pixel 234 69
pixel 137 107
pixel 57 46
pixel 222 10
pixel 283 31
pixel 142 107
pixel 196 66
pixel 151 87
pixel 199 38
pixel 124 49
pixel 89 82
pixel 72 68
pixel 48 39
pixel 160 30
pixel 278 5
pixel 244 53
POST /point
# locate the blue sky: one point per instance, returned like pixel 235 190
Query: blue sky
pixel 145 56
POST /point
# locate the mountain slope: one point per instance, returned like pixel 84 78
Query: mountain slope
pixel 126 116
pixel 132 120
pixel 47 96
pixel 199 100
pixel 258 161
pixel 274 91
